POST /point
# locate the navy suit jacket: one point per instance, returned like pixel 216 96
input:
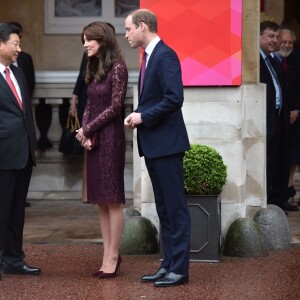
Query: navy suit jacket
pixel 265 77
pixel 163 131
pixel 17 133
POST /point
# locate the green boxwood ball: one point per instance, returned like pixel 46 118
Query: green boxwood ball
pixel 204 171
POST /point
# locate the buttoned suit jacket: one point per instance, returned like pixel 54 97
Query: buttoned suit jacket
pixel 163 131
pixel 162 139
pixel 17 133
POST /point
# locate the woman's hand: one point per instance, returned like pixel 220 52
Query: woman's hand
pixel 87 144
pixel 80 136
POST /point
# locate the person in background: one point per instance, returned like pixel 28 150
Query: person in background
pixel 162 140
pixel 290 62
pixel 107 78
pixel 25 62
pixel 17 153
pixel 277 114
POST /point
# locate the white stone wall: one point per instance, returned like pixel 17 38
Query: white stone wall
pixel 233 121
pixel 230 119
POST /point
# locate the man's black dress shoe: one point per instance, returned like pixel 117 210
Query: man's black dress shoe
pixel 286 206
pixel 22 270
pixel 158 275
pixel 171 279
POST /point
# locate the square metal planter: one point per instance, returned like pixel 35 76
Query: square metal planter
pixel 205 242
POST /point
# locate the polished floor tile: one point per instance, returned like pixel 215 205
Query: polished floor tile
pixel 71 221
pixel 66 274
pixel 63 238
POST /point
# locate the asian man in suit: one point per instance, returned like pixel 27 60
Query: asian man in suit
pixel 25 62
pixel 162 140
pixel 17 153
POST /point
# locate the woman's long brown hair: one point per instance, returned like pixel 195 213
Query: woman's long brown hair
pixel 109 51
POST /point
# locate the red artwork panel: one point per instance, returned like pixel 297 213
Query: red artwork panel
pixel 206 35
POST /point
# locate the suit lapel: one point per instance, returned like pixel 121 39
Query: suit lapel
pixel 149 64
pixel 152 57
pixel 266 70
pixel 4 85
pixel 20 83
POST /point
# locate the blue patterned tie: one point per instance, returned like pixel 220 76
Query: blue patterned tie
pixel 274 76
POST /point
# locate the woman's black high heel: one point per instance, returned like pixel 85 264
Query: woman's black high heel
pixel 97 273
pixel 116 273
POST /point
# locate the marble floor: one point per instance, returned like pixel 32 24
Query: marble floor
pixel 294 221
pixel 61 221
pixel 71 221
pixel 63 239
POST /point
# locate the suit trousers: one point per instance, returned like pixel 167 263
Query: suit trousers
pixel 167 177
pixel 13 190
pixel 277 165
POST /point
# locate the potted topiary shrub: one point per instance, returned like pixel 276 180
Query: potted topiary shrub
pixel 204 171
pixel 205 176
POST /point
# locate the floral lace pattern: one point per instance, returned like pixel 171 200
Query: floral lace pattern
pixel 102 114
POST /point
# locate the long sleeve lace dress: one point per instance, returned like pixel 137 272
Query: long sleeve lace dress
pixel 103 114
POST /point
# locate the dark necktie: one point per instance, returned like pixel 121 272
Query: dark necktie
pixel 143 69
pixel 284 65
pixel 12 86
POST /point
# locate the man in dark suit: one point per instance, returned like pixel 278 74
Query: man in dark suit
pixel 25 62
pixel 277 114
pixel 162 140
pixel 17 153
pixel 289 59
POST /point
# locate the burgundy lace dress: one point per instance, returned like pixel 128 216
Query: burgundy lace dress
pixel 102 114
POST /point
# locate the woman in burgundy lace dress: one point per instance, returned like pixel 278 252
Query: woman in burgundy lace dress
pixel 107 78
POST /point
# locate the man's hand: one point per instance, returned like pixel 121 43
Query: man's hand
pixel 133 120
pixel 293 116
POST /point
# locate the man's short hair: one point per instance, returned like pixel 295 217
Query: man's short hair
pixel 268 25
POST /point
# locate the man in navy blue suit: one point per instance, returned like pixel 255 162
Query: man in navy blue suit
pixel 162 140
